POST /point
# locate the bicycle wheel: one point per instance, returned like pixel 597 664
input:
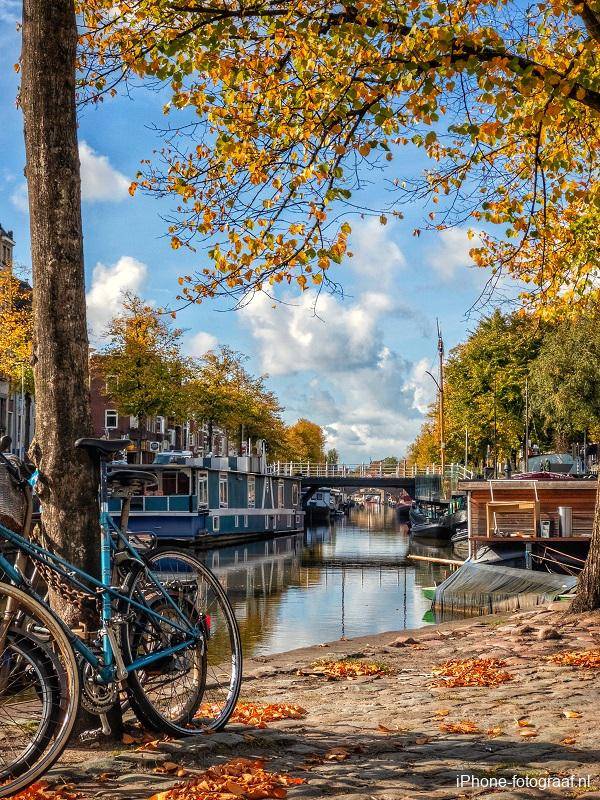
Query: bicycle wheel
pixel 195 689
pixel 39 690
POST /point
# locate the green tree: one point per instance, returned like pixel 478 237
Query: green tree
pixel 332 456
pixel 485 387
pixel 143 366
pixel 565 379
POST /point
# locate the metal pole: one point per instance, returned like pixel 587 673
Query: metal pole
pixel 21 419
pixel 441 389
pixel 526 454
pixel 466 449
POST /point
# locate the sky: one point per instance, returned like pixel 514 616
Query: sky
pixel 358 367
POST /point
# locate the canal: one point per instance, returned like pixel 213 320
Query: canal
pixel 350 578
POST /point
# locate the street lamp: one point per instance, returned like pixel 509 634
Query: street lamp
pixel 440 387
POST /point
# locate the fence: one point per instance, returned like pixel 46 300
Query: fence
pixel 403 469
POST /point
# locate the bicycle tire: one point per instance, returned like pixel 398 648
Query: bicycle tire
pixel 142 704
pixel 50 650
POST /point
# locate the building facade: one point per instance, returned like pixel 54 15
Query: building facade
pixel 16 405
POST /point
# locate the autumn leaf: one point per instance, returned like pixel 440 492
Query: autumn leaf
pixel 464 726
pixel 571 714
pixel 255 715
pixel 582 659
pixel 472 672
pixel 350 668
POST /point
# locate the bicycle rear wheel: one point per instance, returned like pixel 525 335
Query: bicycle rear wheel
pixel 196 689
pixel 39 690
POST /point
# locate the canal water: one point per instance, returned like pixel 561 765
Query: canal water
pixel 350 578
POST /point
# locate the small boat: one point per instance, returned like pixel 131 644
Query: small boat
pixel 431 521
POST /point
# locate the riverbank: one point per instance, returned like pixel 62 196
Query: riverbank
pixel 390 737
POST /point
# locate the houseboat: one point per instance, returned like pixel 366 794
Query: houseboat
pixel 323 504
pixel 209 500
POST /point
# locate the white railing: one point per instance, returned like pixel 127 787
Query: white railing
pixel 403 469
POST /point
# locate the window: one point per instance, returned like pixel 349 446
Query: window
pixel 267 521
pixel 289 520
pixel 216 523
pixel 223 490
pixel 251 491
pixel 133 422
pixel 245 523
pixel 294 495
pixel 202 489
pixel 280 494
pixel 175 482
pixel 159 425
pixel 236 521
pixel 111 419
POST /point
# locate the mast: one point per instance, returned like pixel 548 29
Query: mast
pixel 441 404
pixel 526 453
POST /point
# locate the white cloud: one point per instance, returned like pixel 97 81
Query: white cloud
pixel 369 398
pixel 99 179
pixel 375 254
pixel 19 198
pixel 200 343
pixel 109 284
pixel 451 252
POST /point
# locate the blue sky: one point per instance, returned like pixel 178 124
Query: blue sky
pixel 358 368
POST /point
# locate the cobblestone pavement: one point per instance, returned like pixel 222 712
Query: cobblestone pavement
pixel 388 726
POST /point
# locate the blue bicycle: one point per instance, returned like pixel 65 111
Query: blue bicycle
pixel 167 638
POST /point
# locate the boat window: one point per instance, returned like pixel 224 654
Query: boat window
pixel 319 496
pixel 251 491
pixel 175 481
pixel 280 495
pixel 202 488
pixel 223 490
pixel 216 523
pixel 294 494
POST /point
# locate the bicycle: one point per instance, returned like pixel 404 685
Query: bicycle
pixel 167 637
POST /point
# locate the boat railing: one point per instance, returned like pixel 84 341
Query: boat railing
pixel 158 504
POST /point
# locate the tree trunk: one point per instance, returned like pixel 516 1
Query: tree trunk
pixel 60 343
pixel 588 593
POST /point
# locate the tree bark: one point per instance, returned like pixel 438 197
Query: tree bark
pixel 588 592
pixel 60 343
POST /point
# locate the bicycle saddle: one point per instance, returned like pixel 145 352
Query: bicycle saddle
pixel 132 479
pixel 103 448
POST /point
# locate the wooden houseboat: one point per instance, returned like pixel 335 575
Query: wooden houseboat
pixel 215 500
pixel 544 523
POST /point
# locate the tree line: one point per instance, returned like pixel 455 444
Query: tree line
pixel 147 374
pixel 507 360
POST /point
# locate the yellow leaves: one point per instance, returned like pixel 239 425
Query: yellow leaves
pixel 571 714
pixel 464 726
pixel 349 669
pixel 472 672
pixel 240 777
pixel 582 659
pixel 256 715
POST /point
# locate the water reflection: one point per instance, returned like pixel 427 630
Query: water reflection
pixel 348 579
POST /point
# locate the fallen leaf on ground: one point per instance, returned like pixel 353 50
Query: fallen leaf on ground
pixel 472 672
pixel 442 712
pixel 255 715
pixel 464 726
pixel 528 733
pixel 493 732
pixel 568 740
pixel 337 754
pixel 524 723
pixel 241 777
pixel 349 668
pixel 386 729
pixel 583 659
pixel 43 790
pixel 571 714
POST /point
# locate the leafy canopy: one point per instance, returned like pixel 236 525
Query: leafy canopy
pixel 285 104
pixel 17 331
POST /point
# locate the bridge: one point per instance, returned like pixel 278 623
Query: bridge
pixel 422 482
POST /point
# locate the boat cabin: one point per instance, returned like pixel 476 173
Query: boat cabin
pixel 214 497
pixel 545 523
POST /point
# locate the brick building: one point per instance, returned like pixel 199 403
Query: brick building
pixel 16 405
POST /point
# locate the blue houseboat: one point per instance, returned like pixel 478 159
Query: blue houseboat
pixel 215 499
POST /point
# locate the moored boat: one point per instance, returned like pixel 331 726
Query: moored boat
pixel 215 500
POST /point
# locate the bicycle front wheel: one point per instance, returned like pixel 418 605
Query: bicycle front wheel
pixel 39 690
pixel 195 689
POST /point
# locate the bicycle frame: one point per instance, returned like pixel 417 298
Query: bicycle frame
pixel 105 668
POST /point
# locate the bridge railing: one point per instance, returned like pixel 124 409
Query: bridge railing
pixel 403 469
